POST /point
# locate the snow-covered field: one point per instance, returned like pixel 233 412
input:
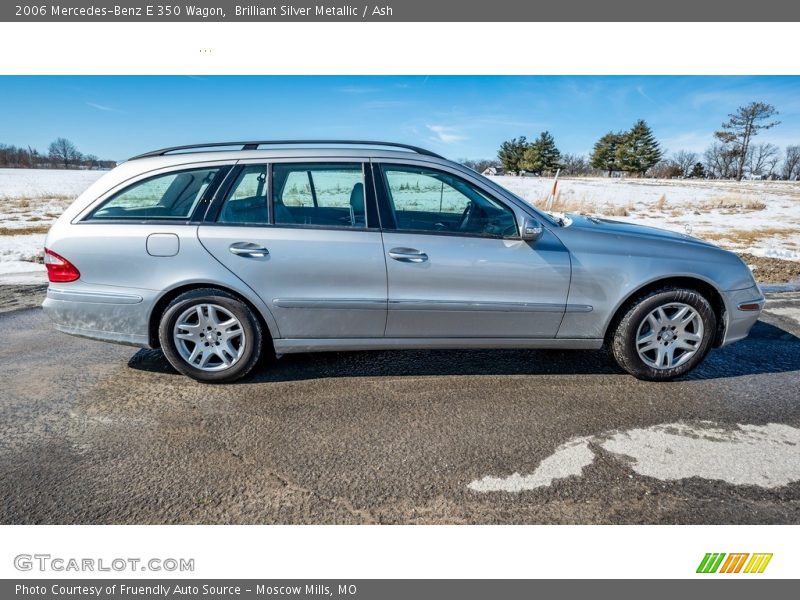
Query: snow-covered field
pixel 759 217
pixel 30 200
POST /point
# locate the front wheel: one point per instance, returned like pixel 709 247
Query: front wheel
pixel 664 334
pixel 210 336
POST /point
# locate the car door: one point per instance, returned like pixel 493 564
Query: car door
pixel 299 235
pixel 456 264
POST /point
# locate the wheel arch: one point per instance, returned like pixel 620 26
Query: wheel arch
pixel 709 291
pixel 168 296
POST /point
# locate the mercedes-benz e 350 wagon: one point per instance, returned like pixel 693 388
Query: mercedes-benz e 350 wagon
pixel 220 253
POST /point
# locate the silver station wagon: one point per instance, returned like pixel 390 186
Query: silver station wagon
pixel 219 254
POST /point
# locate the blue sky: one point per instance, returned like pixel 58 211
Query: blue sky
pixel 458 116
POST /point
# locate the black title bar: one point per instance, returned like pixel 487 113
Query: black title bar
pixel 405 11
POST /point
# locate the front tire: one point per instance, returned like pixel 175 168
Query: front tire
pixel 210 335
pixel 664 334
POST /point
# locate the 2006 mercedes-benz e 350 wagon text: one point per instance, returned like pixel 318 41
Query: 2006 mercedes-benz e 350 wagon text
pixel 219 252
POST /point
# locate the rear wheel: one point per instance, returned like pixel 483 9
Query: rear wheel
pixel 664 334
pixel 210 335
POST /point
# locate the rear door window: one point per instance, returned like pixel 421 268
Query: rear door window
pixel 246 202
pixel 319 194
pixel 170 196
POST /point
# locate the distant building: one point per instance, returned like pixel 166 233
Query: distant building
pixel 493 171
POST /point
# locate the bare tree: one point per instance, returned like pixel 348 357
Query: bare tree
pixel 684 161
pixel 791 163
pixel 479 165
pixel 575 164
pixel 666 168
pixel 761 159
pixel 720 161
pixel 63 151
pixel 738 131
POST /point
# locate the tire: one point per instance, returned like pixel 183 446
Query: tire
pixel 210 335
pixel 659 346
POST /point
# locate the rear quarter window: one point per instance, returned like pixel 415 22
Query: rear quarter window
pixel 170 196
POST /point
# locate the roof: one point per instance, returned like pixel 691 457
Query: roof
pixel 255 144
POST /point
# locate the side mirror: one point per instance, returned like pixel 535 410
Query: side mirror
pixel 530 229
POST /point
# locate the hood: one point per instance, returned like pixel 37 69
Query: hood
pixel 632 229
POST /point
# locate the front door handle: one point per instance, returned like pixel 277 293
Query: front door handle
pixel 248 249
pixel 411 255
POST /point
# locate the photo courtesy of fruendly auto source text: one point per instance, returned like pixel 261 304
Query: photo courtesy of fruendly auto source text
pixel 399 300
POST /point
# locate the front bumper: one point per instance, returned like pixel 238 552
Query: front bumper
pixel 742 309
pixel 106 313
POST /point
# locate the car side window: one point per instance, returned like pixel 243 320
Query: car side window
pixel 424 199
pixel 319 194
pixel 246 200
pixel 171 195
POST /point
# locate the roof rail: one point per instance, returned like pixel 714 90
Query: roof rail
pixel 253 145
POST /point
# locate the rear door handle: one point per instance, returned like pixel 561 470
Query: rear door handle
pixel 248 249
pixel 411 255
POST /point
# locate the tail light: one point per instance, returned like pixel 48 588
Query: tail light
pixel 59 269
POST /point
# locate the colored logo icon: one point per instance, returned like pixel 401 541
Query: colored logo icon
pixel 719 562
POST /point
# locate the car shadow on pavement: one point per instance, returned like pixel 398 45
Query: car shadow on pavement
pixel 768 349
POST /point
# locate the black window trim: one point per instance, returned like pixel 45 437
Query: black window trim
pixel 386 211
pixel 211 216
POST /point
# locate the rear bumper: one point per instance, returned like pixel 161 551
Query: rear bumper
pixel 106 313
pixel 742 309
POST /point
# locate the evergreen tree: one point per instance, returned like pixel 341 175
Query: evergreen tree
pixel 541 156
pixel 511 152
pixel 698 171
pixel 638 150
pixel 604 154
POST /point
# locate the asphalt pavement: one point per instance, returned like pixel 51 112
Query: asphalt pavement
pixel 98 433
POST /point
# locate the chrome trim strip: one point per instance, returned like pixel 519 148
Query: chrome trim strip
pixel 455 305
pixel 433 305
pixel 343 303
pixel 579 308
pixel 92 297
pixel 290 346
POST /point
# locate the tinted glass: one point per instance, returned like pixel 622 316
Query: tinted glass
pixel 430 200
pixel 246 201
pixel 169 196
pixel 319 194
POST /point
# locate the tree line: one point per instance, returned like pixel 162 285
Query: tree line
pixel 732 155
pixel 61 154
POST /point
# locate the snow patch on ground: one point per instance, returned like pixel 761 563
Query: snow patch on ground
pixel 767 456
pixel 15 183
pixel 568 459
pixel 16 252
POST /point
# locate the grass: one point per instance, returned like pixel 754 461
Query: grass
pixel 745 236
pixel 24 230
pixel 563 204
pixel 23 203
pixel 26 199
pixel 733 202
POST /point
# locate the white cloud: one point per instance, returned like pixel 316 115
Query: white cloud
pixel 103 107
pixel 445 134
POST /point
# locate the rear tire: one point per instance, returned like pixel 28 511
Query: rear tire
pixel 210 335
pixel 664 334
